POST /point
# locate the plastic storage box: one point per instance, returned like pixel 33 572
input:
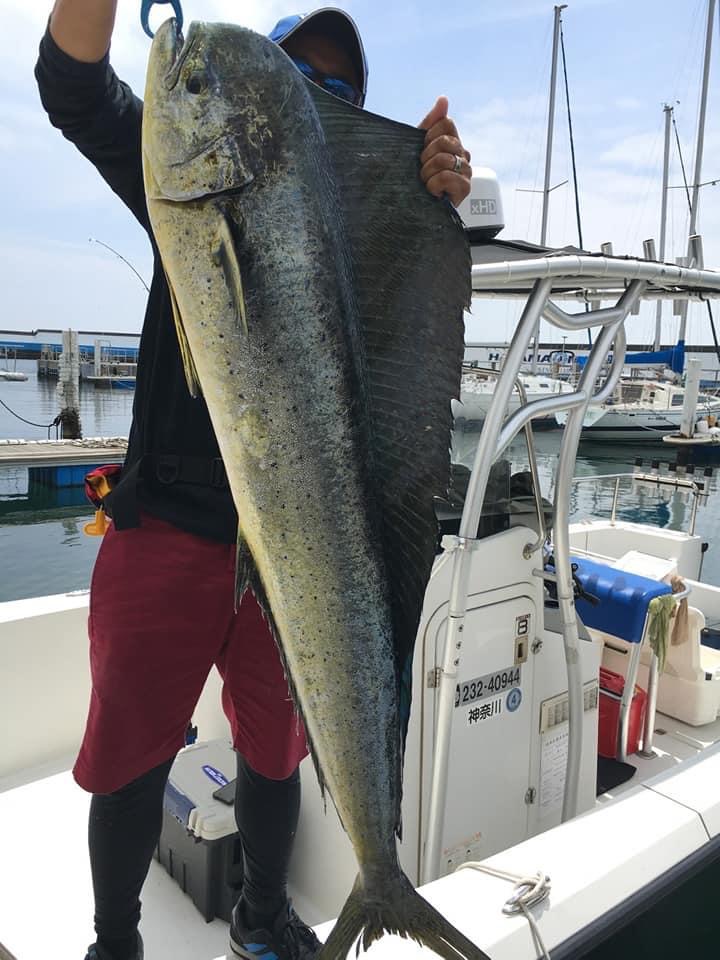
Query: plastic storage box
pixel 611 688
pixel 199 843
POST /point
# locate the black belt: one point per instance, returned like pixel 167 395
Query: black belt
pixel 167 469
pixel 171 468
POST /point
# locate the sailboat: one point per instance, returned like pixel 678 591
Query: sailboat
pixel 477 388
pixel 644 410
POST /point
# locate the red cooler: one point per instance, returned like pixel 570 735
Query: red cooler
pixel 611 688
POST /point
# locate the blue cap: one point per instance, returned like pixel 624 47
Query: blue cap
pixel 331 22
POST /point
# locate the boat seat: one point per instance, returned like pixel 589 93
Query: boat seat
pixel 621 610
pixel 624 599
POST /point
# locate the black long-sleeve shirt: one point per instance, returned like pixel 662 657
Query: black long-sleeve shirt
pixel 102 117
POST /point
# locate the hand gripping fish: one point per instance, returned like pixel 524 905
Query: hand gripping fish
pixel 318 293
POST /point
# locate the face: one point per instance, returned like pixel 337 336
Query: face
pixel 324 54
pixel 212 104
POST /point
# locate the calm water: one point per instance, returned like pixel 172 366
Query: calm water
pixel 43 549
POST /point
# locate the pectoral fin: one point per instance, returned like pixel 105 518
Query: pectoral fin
pixel 225 256
pixel 193 381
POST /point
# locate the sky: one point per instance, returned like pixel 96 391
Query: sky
pixel 625 59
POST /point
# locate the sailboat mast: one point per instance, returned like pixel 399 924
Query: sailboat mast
pixel 548 158
pixel 697 175
pixel 663 217
pixel 551 123
pixel 701 120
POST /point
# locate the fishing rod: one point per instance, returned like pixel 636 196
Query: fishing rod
pixel 120 257
pixel 147 6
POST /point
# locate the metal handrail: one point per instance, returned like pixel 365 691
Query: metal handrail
pixel 586 294
pixel 651 480
pixel 599 268
pixel 542 272
pixel 457 604
pixel 561 538
pixel 567 401
pixel 485 455
pixel 652 689
pixel 530 548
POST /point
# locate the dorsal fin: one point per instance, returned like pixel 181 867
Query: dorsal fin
pixel 411 263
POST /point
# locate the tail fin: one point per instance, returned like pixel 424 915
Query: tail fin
pixel 397 909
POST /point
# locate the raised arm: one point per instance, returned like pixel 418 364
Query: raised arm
pixel 85 99
pixel 82 28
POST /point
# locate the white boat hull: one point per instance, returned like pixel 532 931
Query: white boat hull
pixel 658 411
pixel 477 393
pixel 630 425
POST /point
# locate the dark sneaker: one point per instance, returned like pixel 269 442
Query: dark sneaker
pixel 289 939
pixel 96 952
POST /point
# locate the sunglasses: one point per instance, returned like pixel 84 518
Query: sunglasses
pixel 334 85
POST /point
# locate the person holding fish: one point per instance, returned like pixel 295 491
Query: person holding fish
pixel 162 606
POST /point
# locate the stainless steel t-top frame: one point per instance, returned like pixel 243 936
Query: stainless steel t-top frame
pixel 593 278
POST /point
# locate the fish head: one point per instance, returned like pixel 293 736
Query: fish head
pixel 214 106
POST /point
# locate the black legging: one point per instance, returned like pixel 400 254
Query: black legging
pixel 124 830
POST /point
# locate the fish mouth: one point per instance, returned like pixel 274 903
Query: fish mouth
pixel 179 49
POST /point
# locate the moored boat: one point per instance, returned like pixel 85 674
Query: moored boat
pixel 640 410
pixel 478 386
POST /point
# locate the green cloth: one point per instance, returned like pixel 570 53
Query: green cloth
pixel 660 611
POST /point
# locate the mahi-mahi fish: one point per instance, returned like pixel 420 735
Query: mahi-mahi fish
pixel 318 292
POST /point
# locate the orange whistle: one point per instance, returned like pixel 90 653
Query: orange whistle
pixel 98 526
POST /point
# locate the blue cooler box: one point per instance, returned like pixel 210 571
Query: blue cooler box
pixel 199 844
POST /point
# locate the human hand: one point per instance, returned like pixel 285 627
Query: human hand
pixel 444 163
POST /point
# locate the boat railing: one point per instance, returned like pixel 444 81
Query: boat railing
pixel 696 489
pixel 6 355
pixel 479 372
pixel 592 280
pixel 518 385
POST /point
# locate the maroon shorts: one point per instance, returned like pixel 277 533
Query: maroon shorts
pixel 161 614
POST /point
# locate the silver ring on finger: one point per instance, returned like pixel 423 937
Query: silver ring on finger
pixel 458 164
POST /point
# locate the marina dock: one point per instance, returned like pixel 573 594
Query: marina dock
pixel 62 453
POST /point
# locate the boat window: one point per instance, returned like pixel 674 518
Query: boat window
pixel 677 400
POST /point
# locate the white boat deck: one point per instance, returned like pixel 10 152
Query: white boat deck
pixel 45 886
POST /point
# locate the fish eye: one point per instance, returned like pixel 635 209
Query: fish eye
pixel 194 84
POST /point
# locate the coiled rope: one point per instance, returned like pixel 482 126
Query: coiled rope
pixel 527 892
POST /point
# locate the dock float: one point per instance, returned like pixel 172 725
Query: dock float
pixel 62 463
